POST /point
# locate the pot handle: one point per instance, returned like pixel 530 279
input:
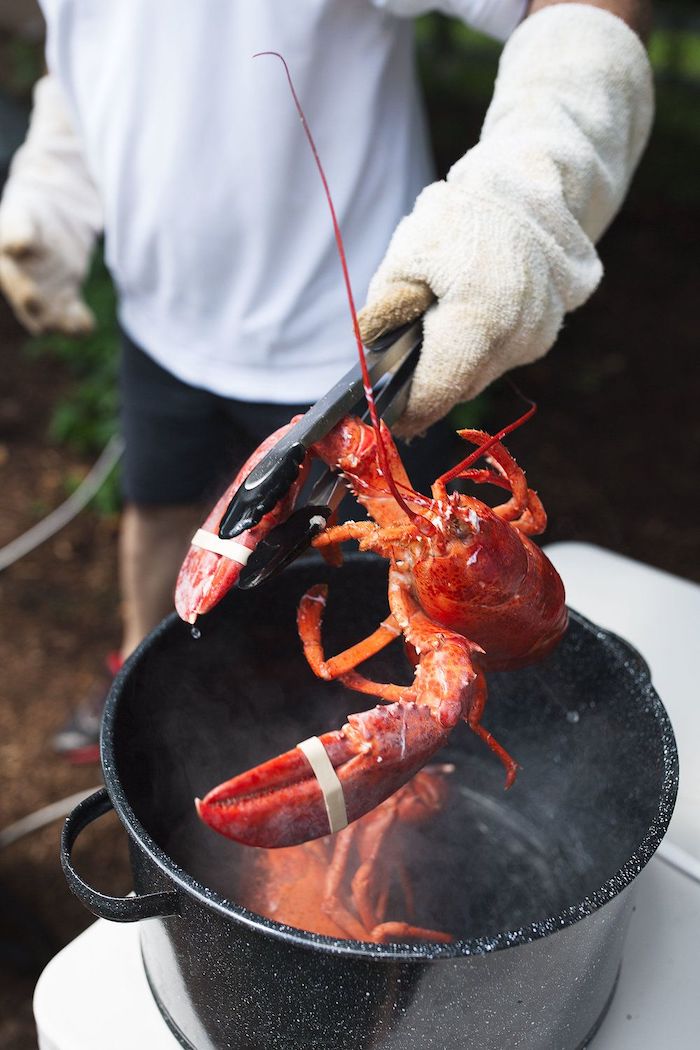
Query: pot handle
pixel 118 909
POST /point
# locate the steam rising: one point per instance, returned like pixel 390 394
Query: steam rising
pixel 194 713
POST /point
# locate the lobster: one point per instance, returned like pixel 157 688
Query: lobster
pixel 468 590
pixel 346 885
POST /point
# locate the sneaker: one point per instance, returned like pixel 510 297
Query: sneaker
pixel 79 739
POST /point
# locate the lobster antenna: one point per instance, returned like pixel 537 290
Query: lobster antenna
pixel 450 475
pixel 381 449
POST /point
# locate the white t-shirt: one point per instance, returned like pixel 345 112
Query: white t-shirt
pixel 217 230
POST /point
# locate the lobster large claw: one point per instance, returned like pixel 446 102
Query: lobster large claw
pixel 280 803
pixel 207 574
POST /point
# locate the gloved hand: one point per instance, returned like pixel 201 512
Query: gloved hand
pixel 50 216
pixel 506 244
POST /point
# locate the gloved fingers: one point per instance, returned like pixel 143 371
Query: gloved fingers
pixel 19 234
pixel 71 316
pixel 398 303
pixel 458 360
pixel 42 307
pixel 22 293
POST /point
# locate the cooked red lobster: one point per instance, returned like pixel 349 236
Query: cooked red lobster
pixel 468 591
pixel 355 884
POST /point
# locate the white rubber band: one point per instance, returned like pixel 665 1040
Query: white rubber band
pixel 231 549
pixel 331 788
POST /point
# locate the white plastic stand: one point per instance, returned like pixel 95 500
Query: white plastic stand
pixel 657 1004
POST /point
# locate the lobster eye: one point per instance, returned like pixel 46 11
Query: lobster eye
pixel 424 525
pixel 461 528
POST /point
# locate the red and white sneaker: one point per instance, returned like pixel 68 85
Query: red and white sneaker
pixel 79 739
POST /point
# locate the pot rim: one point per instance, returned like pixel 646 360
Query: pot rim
pixel 633 664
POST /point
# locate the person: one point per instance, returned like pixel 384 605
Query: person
pixel 156 126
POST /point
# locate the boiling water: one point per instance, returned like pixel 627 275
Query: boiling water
pixel 196 712
pixel 479 867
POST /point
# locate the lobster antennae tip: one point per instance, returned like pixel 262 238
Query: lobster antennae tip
pixel 455 471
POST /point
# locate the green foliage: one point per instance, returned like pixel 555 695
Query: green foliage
pixel 86 417
pixel 676 53
pixel 456 59
pixel 458 68
pixel 469 414
pixel 22 64
pixel 669 168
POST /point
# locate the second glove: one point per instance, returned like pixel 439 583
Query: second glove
pixel 50 216
pixel 505 246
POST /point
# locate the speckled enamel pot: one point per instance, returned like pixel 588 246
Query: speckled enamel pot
pixel 537 883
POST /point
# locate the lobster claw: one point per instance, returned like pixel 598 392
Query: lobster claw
pixel 280 803
pixel 205 578
pixel 209 572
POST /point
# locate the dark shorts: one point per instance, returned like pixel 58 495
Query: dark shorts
pixel 184 444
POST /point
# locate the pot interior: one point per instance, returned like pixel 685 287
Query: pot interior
pixel 585 726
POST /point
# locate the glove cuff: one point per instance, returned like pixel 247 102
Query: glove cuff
pixel 49 187
pixel 570 117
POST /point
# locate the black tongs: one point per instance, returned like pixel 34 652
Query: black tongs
pixel 390 362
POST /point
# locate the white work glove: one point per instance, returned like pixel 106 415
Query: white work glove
pixel 506 243
pixel 50 215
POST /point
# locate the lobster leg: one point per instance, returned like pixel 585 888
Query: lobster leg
pixel 524 509
pixel 309 617
pixel 370 886
pixel 402 807
pixel 369 535
pixel 424 635
pixel 331 904
pixel 473 720
pixel 365 885
pixel 382 690
pixel 420 799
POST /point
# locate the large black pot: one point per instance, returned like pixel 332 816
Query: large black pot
pixel 535 882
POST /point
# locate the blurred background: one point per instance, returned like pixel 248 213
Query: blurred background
pixel 613 451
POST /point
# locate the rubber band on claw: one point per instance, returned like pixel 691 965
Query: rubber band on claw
pixel 331 788
pixel 230 549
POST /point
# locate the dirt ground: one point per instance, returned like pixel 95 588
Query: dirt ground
pixel 613 452
pixel 58 611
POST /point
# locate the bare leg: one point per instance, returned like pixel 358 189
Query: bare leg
pixel 152 544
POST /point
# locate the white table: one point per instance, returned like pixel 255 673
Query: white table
pixel 657 1005
pixel 660 615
